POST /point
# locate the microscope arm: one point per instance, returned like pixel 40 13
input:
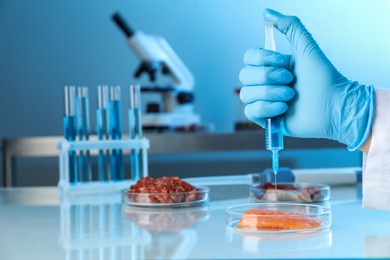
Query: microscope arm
pixel 154 51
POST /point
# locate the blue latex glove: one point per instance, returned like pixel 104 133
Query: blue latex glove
pixel 318 101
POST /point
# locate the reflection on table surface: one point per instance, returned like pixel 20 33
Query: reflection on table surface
pixel 282 243
pixel 166 219
pixel 101 227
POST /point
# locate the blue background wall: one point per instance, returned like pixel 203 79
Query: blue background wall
pixel 46 44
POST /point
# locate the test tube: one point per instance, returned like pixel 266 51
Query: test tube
pixel 135 129
pixel 82 111
pixel 115 119
pixel 70 129
pixel 104 170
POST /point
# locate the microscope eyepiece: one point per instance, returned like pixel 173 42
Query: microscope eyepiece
pixel 127 30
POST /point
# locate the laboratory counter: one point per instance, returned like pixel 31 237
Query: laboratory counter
pixel 36 224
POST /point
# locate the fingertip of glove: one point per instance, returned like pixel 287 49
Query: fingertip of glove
pixel 242 95
pixel 249 54
pixel 282 76
pixel 270 15
pixel 281 107
pixel 253 117
pixel 289 93
pixel 281 22
pixel 241 76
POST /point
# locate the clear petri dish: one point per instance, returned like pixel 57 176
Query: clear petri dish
pixel 276 218
pixel 290 192
pixel 175 199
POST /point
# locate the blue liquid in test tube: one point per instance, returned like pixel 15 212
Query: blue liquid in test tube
pixel 115 111
pixel 82 111
pixel 70 130
pixel 103 132
pixel 135 129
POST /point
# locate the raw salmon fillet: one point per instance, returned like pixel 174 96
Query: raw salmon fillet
pixel 275 220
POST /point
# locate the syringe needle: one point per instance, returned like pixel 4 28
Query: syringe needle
pixel 275 166
pixel 275 161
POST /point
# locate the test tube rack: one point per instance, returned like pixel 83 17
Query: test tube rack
pixel 65 147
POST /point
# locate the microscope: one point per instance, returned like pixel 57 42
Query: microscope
pixel 175 111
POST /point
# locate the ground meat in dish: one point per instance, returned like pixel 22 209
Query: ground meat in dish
pixel 163 190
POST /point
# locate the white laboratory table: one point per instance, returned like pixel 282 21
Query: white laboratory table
pixel 35 224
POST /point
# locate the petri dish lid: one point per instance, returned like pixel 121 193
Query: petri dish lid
pixel 276 218
pixel 290 192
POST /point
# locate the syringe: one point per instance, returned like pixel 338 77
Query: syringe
pixel 273 126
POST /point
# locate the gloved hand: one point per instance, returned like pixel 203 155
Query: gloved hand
pixel 318 101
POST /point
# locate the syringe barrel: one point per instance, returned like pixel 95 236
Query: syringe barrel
pixel 274 134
